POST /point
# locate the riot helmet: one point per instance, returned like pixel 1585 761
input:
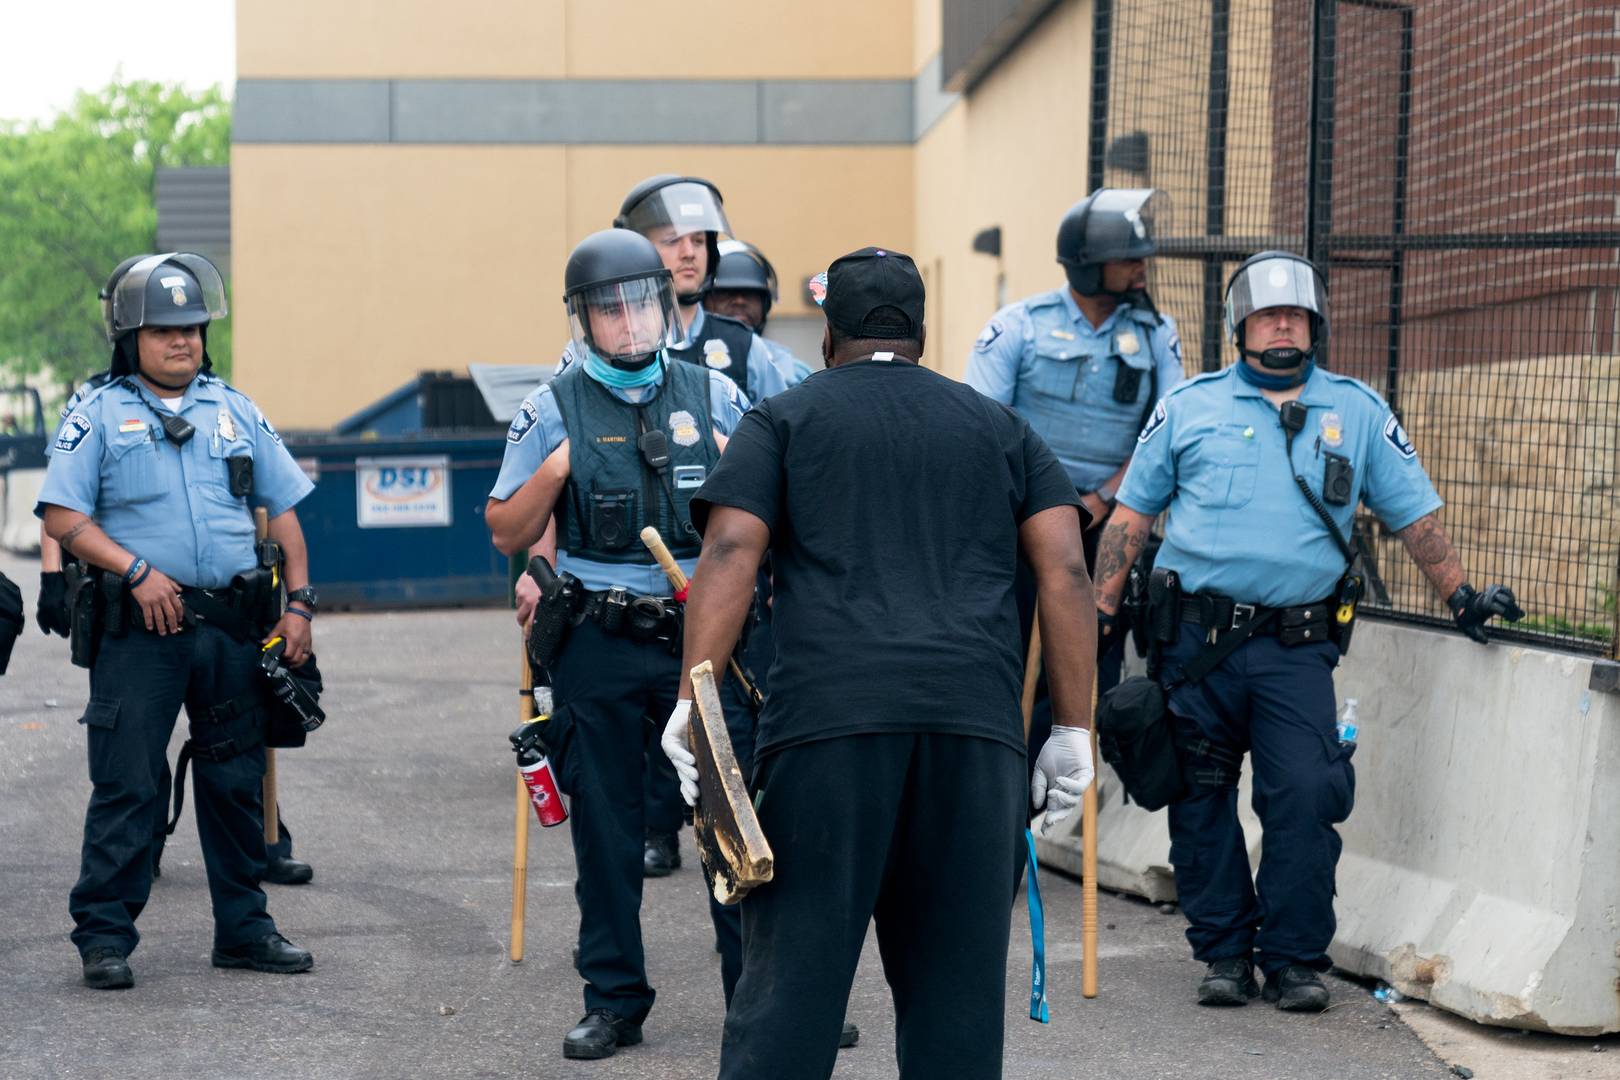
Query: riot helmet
pixel 621 299
pixel 1109 224
pixel 667 206
pixel 105 295
pixel 744 268
pixel 177 288
pixel 1274 279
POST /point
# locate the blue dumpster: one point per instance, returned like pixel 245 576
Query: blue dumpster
pixel 399 521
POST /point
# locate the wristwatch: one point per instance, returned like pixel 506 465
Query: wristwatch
pixel 305 596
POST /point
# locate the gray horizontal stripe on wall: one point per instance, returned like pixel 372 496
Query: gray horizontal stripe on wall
pixel 311 110
pixel 542 111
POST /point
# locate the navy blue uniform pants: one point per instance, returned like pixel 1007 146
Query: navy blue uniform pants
pixel 917 832
pixel 606 689
pixel 1277 704
pixel 1109 665
pixel 137 687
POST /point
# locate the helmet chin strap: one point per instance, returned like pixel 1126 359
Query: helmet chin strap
pixel 635 363
pixel 163 385
pixel 1279 359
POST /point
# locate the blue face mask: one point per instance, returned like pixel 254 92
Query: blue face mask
pixel 620 378
pixel 1266 381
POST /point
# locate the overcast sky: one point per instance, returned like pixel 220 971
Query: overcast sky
pixel 50 49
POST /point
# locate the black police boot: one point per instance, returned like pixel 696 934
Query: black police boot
pixel 106 969
pixel 662 854
pixel 1297 989
pixel 272 953
pixel 1228 982
pixel 288 872
pixel 849 1036
pixel 599 1034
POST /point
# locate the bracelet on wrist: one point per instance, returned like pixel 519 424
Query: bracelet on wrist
pixel 309 616
pixel 146 571
pixel 138 566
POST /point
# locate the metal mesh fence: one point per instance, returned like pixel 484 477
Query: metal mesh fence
pixel 1451 166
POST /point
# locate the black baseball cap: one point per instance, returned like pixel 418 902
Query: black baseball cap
pixel 860 283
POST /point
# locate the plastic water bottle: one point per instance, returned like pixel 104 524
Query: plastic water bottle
pixel 1347 723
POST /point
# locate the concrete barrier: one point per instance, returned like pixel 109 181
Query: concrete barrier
pixel 1481 867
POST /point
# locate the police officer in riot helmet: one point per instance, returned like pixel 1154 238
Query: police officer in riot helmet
pixel 1084 363
pixel 618 441
pixel 1272 455
pixel 53 617
pixel 152 482
pixel 745 289
pixel 685 218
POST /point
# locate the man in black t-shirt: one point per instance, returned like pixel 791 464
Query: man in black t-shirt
pixel 890 761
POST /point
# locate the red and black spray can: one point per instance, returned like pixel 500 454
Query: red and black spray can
pixel 535 769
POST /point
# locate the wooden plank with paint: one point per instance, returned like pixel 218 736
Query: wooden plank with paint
pixel 736 856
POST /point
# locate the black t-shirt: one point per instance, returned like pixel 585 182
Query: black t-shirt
pixel 894 496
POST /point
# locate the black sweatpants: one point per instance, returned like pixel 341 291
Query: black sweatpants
pixel 920 832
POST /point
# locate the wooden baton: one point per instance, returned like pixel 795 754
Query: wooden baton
pixel 272 813
pixel 520 842
pixel 677 578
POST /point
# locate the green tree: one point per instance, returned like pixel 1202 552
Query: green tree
pixel 76 196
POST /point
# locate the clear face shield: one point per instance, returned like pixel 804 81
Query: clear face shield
pixel 685 207
pixel 626 321
pixel 176 289
pixel 1124 224
pixel 1272 283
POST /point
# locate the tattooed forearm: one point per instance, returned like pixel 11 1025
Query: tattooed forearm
pixel 1117 549
pixel 67 538
pixel 1431 549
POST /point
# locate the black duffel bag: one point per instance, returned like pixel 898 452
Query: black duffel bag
pixel 1135 735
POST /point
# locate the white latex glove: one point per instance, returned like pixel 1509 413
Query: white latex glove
pixel 1063 771
pixel 679 753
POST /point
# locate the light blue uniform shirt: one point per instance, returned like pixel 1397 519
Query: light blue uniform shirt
pixel 172 505
pixel 794 369
pixel 1043 357
pixel 1214 454
pixel 766 376
pixel 538 429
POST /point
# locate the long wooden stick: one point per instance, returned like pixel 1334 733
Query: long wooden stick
pixel 272 812
pixel 520 841
pixel 1088 871
pixel 677 578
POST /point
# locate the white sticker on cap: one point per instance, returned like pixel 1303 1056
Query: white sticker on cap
pixel 1278 277
pixel 171 282
pixel 691 209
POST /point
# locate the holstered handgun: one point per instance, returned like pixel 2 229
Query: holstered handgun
pixel 560 598
pixel 84 608
pixel 258 591
pixel 1163 613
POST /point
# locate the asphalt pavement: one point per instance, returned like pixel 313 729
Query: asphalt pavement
pixel 403 803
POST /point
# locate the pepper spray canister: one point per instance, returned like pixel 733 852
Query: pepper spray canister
pixel 535 768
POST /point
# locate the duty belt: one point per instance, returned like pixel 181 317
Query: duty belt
pixel 1222 614
pixel 639 618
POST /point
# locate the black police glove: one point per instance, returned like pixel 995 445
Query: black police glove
pixel 1107 632
pixel 52 613
pixel 1473 610
pixel 11 619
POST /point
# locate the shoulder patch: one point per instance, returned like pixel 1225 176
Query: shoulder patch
pixel 523 423
pixel 1155 422
pixel 74 430
pixel 264 423
pixel 1174 345
pixel 988 335
pixel 1395 435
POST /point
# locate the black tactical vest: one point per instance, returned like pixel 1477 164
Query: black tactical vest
pixel 612 493
pixel 723 346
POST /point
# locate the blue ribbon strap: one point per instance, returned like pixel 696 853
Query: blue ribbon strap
pixel 1037 935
